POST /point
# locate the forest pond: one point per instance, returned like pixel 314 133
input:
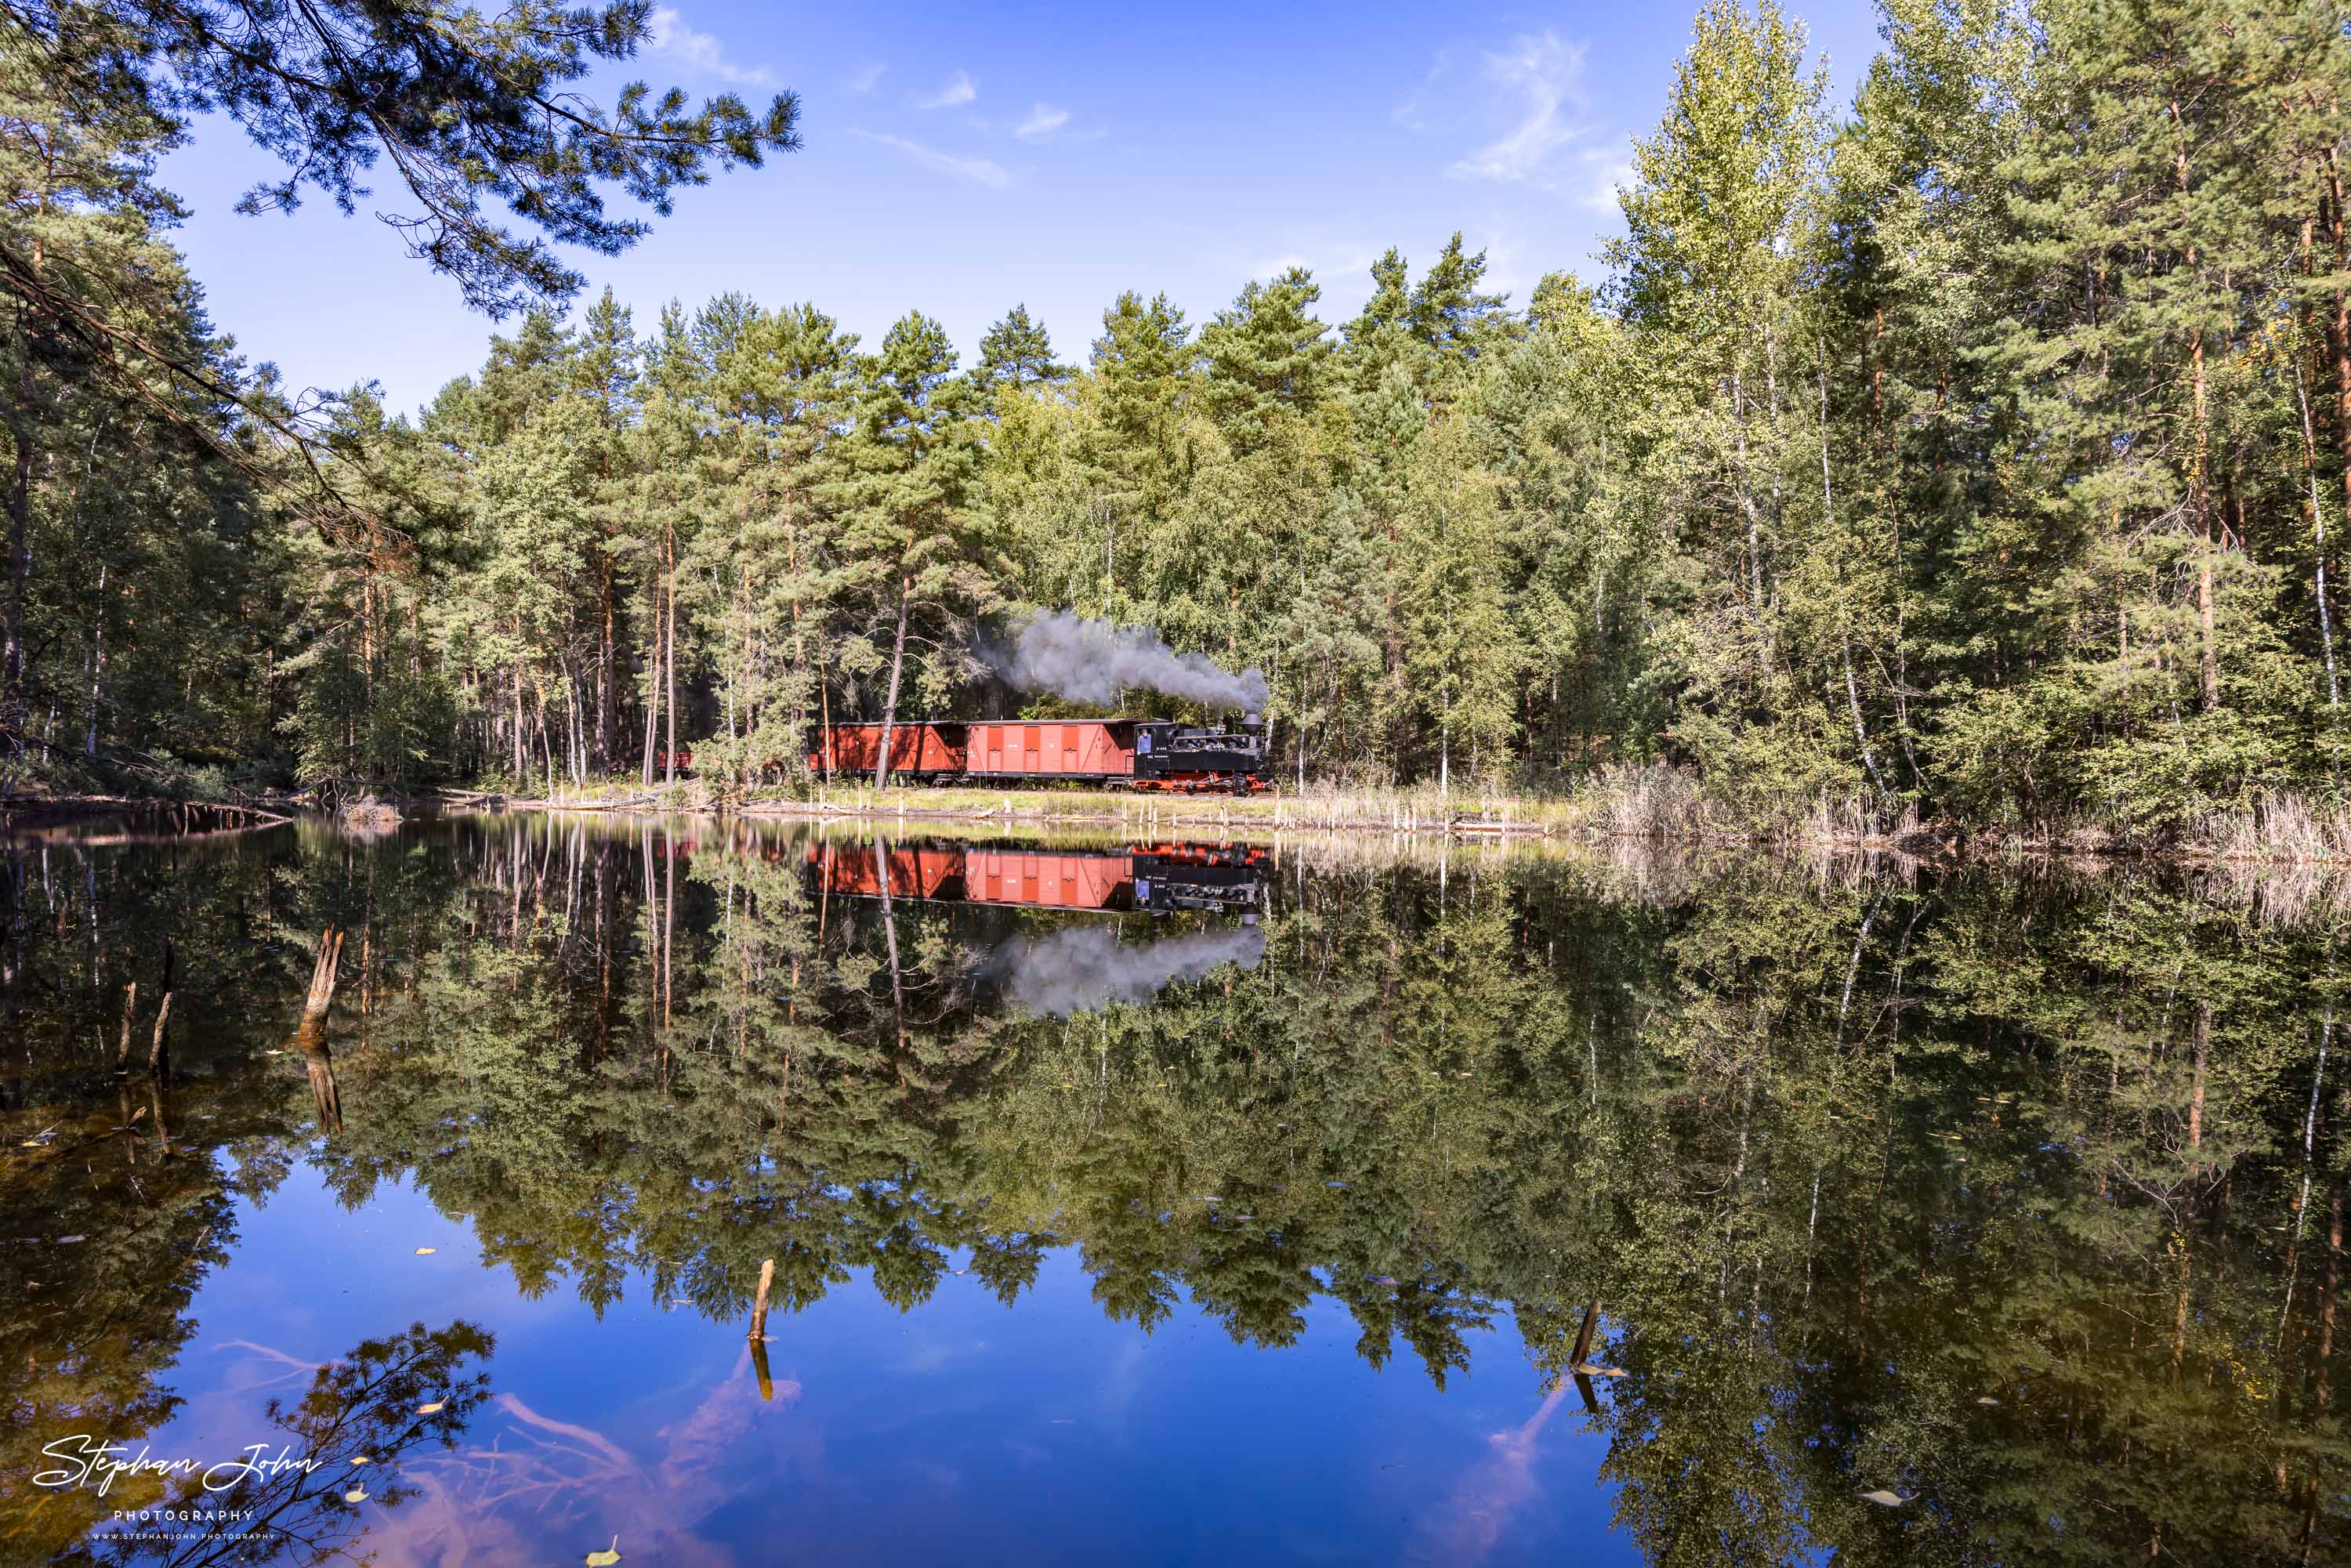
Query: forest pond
pixel 1332 1201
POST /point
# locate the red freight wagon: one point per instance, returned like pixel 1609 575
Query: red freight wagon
pixel 920 749
pixel 1051 748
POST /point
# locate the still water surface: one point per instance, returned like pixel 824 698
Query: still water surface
pixel 1163 1204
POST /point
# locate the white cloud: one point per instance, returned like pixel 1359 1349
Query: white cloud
pixel 668 34
pixel 1527 101
pixel 864 81
pixel 985 172
pixel 1545 78
pixel 1042 121
pixel 960 90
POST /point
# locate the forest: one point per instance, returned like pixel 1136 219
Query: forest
pixel 1977 451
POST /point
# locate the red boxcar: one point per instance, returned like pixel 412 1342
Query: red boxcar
pixel 1051 748
pixel 921 750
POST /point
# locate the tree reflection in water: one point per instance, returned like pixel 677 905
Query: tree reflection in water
pixel 354 1428
pixel 2016 1194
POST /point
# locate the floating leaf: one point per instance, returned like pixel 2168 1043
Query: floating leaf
pixel 361 1460
pixel 606 1558
pixel 431 1409
pixel 1383 1279
pixel 357 1494
pixel 426 1252
pixel 69 1240
pixel 1884 1499
pixel 1987 1399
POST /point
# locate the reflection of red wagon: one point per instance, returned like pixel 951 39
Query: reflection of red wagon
pixel 1116 752
pixel 1154 877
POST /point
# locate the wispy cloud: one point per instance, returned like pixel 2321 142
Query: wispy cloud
pixel 959 89
pixel 667 34
pixel 866 80
pixel 1545 78
pixel 985 172
pixel 1042 121
pixel 1527 100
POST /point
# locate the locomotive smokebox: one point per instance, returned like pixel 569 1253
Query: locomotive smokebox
pixel 1252 721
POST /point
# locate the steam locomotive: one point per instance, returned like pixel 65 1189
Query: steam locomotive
pixel 1153 754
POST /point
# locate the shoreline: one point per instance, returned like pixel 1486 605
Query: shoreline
pixel 1472 822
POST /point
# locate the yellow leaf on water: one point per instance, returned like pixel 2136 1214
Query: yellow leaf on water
pixel 431 1408
pixel 606 1558
pixel 361 1460
pixel 357 1494
pixel 1884 1499
pixel 426 1252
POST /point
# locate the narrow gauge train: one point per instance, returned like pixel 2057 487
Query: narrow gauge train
pixel 1156 879
pixel 1155 754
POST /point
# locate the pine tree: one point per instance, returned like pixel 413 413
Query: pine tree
pixel 1016 353
pixel 905 493
pixel 1265 358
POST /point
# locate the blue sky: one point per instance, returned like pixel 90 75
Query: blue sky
pixel 960 158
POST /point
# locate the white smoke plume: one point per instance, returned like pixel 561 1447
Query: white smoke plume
pixel 1087 966
pixel 1093 661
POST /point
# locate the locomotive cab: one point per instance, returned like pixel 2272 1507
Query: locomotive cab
pixel 1165 750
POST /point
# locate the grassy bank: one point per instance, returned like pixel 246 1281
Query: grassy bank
pixel 1651 802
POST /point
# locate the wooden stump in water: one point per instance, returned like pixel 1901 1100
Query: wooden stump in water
pixel 759 1305
pixel 320 1064
pixel 156 1059
pixel 123 1047
pixel 759 1366
pixel 322 984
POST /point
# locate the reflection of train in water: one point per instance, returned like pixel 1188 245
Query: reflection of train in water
pixel 1156 879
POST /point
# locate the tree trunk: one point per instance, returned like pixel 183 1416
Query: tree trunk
pixel 20 566
pixel 889 702
pixel 2339 329
pixel 669 650
pixel 2209 657
pixel 2196 1092
pixel 2318 536
pixel 97 664
pixel 606 696
pixel 1828 520
pixel 2200 487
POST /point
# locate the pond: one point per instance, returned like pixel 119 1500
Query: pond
pixel 1330 1201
